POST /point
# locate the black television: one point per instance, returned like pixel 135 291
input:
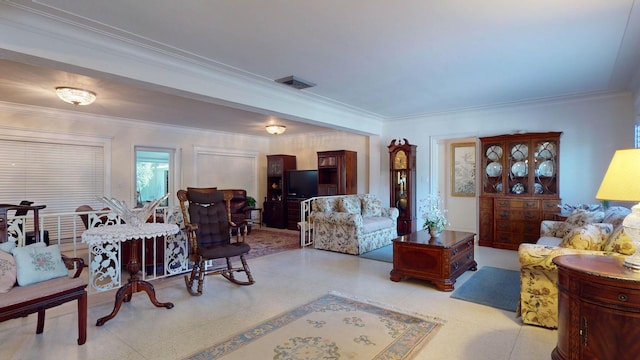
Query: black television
pixel 302 184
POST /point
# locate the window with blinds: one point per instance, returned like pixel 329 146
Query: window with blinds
pixel 61 176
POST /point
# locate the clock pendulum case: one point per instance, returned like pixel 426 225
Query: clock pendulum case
pixel 402 168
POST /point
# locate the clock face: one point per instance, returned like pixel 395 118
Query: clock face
pixel 400 160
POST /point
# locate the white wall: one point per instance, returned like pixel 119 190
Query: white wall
pixel 593 128
pixel 125 135
pixel 305 149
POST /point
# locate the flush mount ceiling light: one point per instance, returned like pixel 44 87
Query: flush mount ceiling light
pixel 276 129
pixel 75 96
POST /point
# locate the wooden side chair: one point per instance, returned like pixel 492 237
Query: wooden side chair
pixel 208 225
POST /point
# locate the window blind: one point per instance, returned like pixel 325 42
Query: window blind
pixel 61 176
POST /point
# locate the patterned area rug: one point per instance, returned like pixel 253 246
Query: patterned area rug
pixel 266 242
pixel 332 327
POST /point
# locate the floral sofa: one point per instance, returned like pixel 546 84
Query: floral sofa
pixel 352 224
pixel 584 232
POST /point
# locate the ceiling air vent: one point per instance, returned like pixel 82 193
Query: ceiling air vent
pixel 295 82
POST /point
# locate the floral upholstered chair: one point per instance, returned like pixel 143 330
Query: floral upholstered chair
pixel 539 275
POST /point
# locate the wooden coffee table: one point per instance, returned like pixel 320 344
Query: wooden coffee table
pixel 440 260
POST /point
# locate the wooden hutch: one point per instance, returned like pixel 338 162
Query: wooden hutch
pixel 520 187
pixel 275 210
pixel 337 172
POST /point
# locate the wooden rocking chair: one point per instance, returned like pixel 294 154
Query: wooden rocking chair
pixel 208 225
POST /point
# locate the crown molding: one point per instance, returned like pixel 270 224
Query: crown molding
pixel 45 33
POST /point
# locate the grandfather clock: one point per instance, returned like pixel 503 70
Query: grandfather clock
pixel 402 166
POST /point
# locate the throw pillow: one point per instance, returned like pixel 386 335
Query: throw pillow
pixel 7 272
pixel 619 242
pixel 7 246
pixel 38 262
pixel 578 217
pixel 371 207
pixel 587 237
pixel 615 215
pixel 351 205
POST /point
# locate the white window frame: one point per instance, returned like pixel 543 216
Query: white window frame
pixel 171 188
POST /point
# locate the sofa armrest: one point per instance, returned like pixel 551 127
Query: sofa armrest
pixel 549 227
pixel 392 213
pixel 539 257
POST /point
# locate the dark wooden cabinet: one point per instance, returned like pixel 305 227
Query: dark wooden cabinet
pixel 520 187
pixel 337 172
pixel 274 208
pixel 402 167
pixel 598 308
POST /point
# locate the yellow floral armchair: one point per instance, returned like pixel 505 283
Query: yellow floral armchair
pixel 539 275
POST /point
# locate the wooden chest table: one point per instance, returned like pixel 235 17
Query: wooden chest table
pixel 440 260
pixel 598 308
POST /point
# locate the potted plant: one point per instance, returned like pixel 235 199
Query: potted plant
pixel 434 216
pixel 251 201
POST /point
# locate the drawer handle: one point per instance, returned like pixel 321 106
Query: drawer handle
pixel 622 297
pixel 456 265
pixel 469 256
pixel 455 252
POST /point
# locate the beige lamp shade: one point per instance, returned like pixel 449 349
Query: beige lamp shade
pixel 622 180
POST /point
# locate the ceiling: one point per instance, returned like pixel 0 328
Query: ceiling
pixel 390 61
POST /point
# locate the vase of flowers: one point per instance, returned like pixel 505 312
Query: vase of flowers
pixel 435 219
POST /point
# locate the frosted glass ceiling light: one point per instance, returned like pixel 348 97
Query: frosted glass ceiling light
pixel 76 96
pixel 276 129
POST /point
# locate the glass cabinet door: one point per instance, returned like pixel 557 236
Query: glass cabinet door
pixel 492 165
pixel 545 168
pixel 518 168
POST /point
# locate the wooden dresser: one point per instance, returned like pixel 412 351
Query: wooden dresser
pixel 598 308
pixel 507 222
pixel 520 187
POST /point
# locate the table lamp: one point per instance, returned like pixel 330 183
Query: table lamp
pixel 622 183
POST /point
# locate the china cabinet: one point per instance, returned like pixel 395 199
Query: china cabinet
pixel 520 187
pixel 402 166
pixel 337 172
pixel 275 210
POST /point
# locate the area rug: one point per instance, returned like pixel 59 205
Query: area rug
pixel 385 254
pixel 334 326
pixel 491 286
pixel 265 242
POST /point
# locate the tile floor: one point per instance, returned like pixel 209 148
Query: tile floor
pixel 283 281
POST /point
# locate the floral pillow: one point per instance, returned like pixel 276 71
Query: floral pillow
pixel 371 207
pixel 351 205
pixel 587 237
pixel 578 217
pixel 619 242
pixel 7 272
pixel 615 215
pixel 38 262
